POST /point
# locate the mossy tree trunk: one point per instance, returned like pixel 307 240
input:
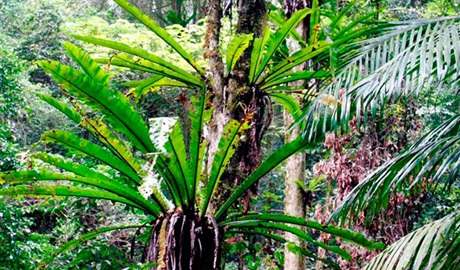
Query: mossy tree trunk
pixel 234 98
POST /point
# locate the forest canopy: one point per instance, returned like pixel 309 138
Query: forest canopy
pixel 209 134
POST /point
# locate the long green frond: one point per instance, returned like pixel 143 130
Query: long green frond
pixel 64 190
pixel 267 165
pixel 435 246
pixel 31 176
pixel 407 58
pixel 160 32
pixel 225 150
pixel 235 49
pixel 436 155
pixel 75 143
pixel 77 242
pixel 116 108
pixel 346 235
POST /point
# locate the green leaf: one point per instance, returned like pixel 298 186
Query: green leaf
pixel 346 235
pixel 257 53
pixel 267 165
pixel 291 246
pixel 62 107
pixel 160 32
pixel 89 66
pixel 296 231
pixel 225 151
pixel 154 84
pixel 177 163
pixel 236 48
pixel 290 104
pixel 297 58
pixel 154 63
pixel 279 37
pixel 106 136
pixel 77 242
pixel 434 246
pixel 73 142
pixel 288 77
pixel 64 190
pixel 199 115
pixel 116 108
pixel 31 176
pixel 279 19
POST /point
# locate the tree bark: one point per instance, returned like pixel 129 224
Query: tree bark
pixel 293 196
pixel 295 165
pixel 234 98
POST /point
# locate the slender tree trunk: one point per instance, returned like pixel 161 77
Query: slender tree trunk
pixel 295 165
pixel 293 196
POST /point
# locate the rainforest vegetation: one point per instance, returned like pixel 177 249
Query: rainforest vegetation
pixel 210 134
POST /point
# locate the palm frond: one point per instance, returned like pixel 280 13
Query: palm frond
pixel 413 56
pixel 432 247
pixel 436 155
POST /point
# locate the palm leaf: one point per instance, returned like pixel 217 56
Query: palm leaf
pixel 415 55
pixel 432 155
pixel 235 49
pixel 77 242
pixel 160 32
pixel 433 246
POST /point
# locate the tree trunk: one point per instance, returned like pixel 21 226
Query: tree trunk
pixel 233 98
pixel 295 165
pixel 293 196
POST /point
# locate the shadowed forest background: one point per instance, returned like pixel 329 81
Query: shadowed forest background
pixel 267 136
